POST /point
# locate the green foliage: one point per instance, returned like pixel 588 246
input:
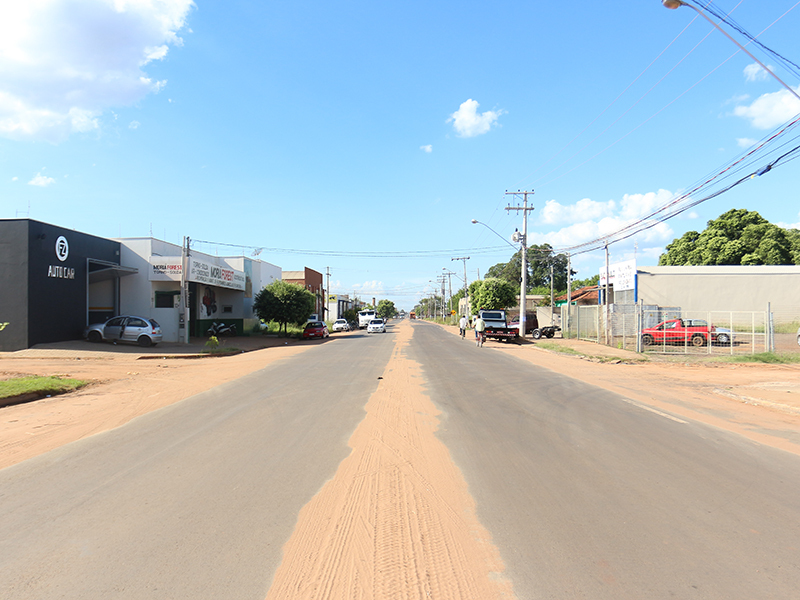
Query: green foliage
pixel 351 315
pixel 212 343
pixel 540 258
pixel 581 283
pixel 770 358
pixel 386 309
pixel 492 293
pixel 285 303
pixel 737 237
pixel 428 307
pixel 456 298
pixel 19 386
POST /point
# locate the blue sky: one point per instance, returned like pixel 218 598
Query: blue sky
pixel 332 135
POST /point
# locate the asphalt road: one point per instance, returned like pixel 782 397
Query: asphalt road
pixel 589 495
pixel 194 501
pixel 586 494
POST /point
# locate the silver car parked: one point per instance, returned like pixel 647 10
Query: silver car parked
pixel 127 328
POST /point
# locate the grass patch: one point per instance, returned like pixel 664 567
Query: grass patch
pixel 292 330
pixel 572 352
pixel 561 349
pixel 19 386
pixel 770 358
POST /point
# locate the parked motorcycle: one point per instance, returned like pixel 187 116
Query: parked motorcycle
pixel 221 329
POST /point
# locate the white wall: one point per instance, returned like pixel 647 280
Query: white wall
pixel 719 288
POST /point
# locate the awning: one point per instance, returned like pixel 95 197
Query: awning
pixel 100 270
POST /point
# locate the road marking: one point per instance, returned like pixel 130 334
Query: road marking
pixel 653 410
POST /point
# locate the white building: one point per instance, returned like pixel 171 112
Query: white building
pixel 335 306
pixel 220 289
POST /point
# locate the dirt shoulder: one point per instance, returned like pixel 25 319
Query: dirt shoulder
pixel 760 402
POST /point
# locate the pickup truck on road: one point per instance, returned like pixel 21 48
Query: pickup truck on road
pixel 496 325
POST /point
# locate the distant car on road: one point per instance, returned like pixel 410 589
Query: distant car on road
pixel 315 329
pixel 341 325
pixel 696 332
pixel 376 326
pixel 127 328
pixel 798 336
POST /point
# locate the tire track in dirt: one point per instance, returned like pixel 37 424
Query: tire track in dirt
pixel 396 520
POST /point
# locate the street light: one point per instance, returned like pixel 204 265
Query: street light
pixel 673 4
pixel 476 222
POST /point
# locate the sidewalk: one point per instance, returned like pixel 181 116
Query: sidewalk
pixel 83 349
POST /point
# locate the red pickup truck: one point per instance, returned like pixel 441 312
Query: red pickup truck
pixel 696 332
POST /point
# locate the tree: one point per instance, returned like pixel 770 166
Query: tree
pixel 492 293
pixel 285 303
pixel 350 315
pixel 540 258
pixel 737 237
pixel 429 307
pixel 386 309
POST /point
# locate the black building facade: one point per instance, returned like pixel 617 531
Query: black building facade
pixel 54 282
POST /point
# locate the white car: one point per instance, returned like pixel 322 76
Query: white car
pixel 341 325
pixel 376 326
pixel 136 330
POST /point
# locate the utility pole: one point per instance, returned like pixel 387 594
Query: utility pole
pixel 605 295
pixel 183 313
pixel 552 284
pixel 523 293
pixel 326 293
pixel 449 285
pixel 569 296
pixel 464 259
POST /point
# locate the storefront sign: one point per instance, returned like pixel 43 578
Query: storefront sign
pixel 60 272
pixel 168 268
pixel 621 275
pixel 62 253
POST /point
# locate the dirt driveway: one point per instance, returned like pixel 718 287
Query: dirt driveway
pixel 761 402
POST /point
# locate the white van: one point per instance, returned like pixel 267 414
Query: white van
pixel 365 316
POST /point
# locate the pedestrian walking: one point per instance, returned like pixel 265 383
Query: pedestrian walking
pixel 462 326
pixel 480 328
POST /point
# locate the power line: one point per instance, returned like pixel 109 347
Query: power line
pixel 354 254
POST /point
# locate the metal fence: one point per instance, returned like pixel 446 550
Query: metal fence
pixel 627 326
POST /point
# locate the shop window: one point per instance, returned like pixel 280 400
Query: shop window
pixel 166 299
pixel 227 309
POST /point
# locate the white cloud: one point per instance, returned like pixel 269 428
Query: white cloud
pixel 555 213
pixel 632 206
pixel 770 110
pixel 428 149
pixel 754 72
pixel 790 225
pixel 64 62
pixel 468 122
pixel 41 180
pixel 745 142
pixel 587 220
pixel 371 287
pixel 14 178
pixel 134 125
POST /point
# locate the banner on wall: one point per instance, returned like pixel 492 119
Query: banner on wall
pixel 168 268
